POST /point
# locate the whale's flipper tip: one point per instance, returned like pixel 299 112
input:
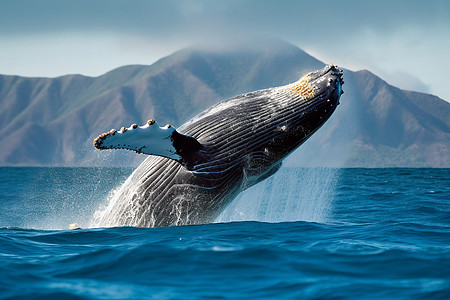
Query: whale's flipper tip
pixel 150 139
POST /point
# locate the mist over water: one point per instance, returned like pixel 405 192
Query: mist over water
pixel 289 195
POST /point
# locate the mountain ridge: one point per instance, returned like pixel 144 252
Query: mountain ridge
pixel 52 121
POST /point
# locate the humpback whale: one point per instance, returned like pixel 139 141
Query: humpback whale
pixel 193 172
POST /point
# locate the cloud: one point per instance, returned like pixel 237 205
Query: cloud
pixel 405 81
pixel 317 19
pixel 383 36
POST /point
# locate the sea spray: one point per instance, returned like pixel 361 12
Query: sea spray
pixel 105 215
pixel 292 194
pixel 289 195
pixel 104 207
pixel 51 198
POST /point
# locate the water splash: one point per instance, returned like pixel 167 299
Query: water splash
pixel 289 195
pixel 110 212
pixel 100 213
pixel 292 194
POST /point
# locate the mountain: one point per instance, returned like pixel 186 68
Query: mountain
pixel 53 121
pixel 379 125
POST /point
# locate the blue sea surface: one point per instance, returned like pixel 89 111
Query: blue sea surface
pixel 301 234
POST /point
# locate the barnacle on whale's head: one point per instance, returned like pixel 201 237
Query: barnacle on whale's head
pixel 324 83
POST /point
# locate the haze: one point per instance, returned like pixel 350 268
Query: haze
pixel 404 42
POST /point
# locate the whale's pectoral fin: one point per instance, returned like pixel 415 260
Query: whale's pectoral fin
pixel 153 140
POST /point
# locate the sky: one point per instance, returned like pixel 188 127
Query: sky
pixel 405 42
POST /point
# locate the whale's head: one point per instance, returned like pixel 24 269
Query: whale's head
pixel 303 107
pixel 319 91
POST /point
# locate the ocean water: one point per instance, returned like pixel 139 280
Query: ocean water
pixel 301 234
